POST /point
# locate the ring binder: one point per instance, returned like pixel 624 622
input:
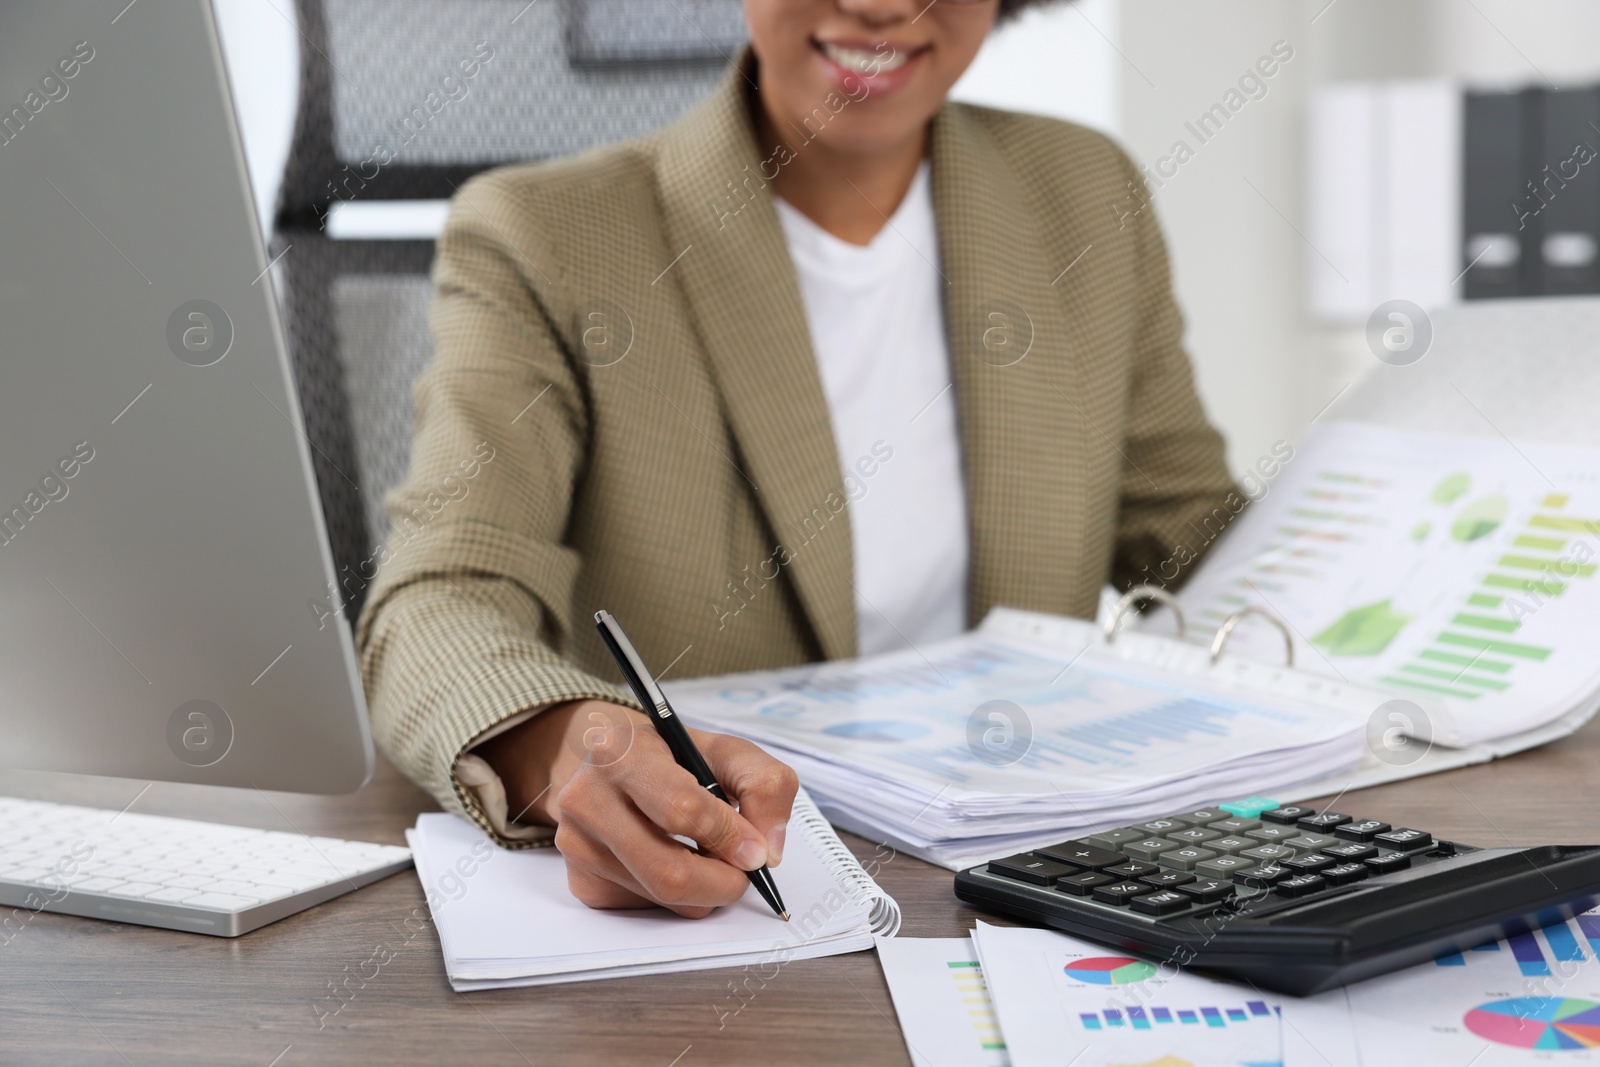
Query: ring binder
pixel 1138 593
pixel 1220 638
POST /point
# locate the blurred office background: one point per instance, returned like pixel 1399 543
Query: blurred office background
pixel 1310 202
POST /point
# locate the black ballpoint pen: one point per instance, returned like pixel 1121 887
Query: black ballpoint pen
pixel 673 732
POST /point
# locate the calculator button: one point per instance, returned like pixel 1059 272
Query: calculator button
pixel 1083 883
pixel 1184 859
pixel 1365 830
pixel 1133 869
pixel 1269 853
pixel 1079 854
pixel 1236 825
pixel 1309 842
pixel 1161 903
pixel 1310 864
pixel 1148 849
pixel 1201 816
pixel 1232 845
pixel 1263 876
pixel 1404 839
pixel 1120 836
pixel 1206 890
pixel 1222 866
pixel 1350 851
pixel 1325 821
pixel 1195 835
pixel 1301 885
pixel 1167 879
pixel 1387 862
pixel 1159 827
pixel 1031 869
pixel 1273 833
pixel 1249 807
pixel 1345 873
pixel 1289 814
pixel 1119 892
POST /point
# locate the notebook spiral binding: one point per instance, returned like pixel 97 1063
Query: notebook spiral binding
pixel 884 918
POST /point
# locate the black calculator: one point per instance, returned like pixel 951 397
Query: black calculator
pixel 1285 897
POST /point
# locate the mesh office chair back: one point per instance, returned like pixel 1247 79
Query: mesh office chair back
pixel 403 100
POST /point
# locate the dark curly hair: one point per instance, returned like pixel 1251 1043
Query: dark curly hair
pixel 1011 8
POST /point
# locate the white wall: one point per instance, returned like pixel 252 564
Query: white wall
pixel 1057 60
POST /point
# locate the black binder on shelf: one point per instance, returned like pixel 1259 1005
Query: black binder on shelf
pixel 1500 213
pixel 1568 179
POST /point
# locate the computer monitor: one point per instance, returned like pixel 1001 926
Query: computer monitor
pixel 165 574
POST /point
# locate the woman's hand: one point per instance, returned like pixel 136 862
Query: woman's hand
pixel 603 777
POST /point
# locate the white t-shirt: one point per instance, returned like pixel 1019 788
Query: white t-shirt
pixel 876 314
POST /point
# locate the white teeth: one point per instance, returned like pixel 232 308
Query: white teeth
pixel 860 61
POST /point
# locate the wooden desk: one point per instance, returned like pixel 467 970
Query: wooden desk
pixel 78 991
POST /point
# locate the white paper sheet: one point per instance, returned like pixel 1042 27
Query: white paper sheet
pixel 939 994
pixel 1455 572
pixel 1065 1001
pixel 1531 1000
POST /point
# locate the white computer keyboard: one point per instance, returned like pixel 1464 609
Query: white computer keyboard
pixel 174 873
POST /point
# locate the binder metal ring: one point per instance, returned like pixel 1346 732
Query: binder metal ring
pixel 1220 639
pixel 1133 596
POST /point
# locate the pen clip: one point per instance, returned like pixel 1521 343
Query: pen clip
pixel 639 679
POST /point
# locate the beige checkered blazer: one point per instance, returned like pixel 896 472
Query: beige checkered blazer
pixel 622 335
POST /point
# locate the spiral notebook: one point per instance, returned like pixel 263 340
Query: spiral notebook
pixel 506 918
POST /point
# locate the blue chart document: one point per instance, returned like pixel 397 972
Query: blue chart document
pixel 960 747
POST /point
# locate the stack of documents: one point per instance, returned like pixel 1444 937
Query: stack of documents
pixel 507 918
pixel 1031 729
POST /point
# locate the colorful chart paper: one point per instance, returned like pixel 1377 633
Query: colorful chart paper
pixel 1109 970
pixel 1543 1023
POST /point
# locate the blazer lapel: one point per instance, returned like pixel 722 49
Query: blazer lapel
pixel 1025 449
pixel 736 274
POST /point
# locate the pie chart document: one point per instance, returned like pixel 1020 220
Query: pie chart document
pixel 1532 997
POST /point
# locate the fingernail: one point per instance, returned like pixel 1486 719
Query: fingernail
pixel 775 844
pixel 749 855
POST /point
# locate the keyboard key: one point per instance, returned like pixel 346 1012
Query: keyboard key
pixel 1167 879
pixel 1309 842
pixel 1345 873
pixel 171 895
pixel 1034 870
pixel 133 890
pixel 1195 835
pixel 1269 853
pixel 1120 836
pixel 1163 903
pixel 1222 866
pixel 1302 885
pixel 1387 862
pixel 1233 846
pixel 1273 834
pixel 1084 883
pixel 1201 816
pixel 1131 869
pixel 1160 827
pixel 1365 830
pixel 1206 890
pixel 1236 825
pixel 1249 807
pixel 1119 892
pixel 1263 876
pixel 1184 859
pixel 1149 848
pixel 1310 863
pixel 1404 839
pixel 1325 821
pixel 1289 814
pixel 1350 851
pixel 1080 854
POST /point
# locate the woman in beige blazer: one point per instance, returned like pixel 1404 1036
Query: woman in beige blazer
pixel 624 411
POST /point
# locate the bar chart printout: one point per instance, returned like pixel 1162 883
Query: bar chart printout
pixel 1532 997
pixel 943 1002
